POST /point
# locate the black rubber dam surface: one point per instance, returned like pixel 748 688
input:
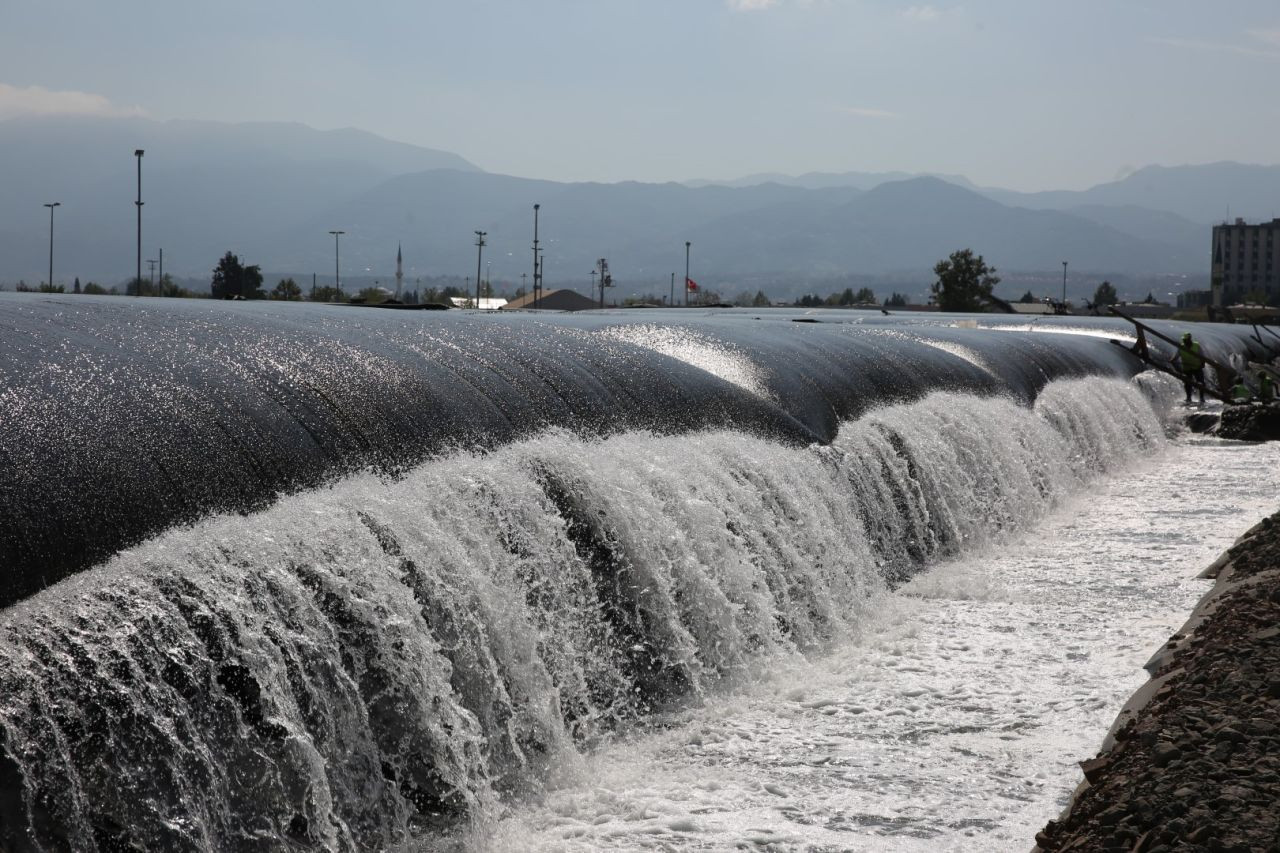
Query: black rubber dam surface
pixel 124 417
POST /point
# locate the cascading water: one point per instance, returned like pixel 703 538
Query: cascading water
pixel 366 663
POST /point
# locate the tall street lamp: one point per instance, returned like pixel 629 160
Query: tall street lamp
pixel 337 279
pixel 137 277
pixel 535 255
pixel 480 244
pixel 51 207
pixel 687 244
pixel 1064 285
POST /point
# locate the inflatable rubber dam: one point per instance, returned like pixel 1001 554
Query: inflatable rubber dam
pixel 282 576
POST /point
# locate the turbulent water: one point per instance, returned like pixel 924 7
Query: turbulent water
pixel 380 661
pixel 954 717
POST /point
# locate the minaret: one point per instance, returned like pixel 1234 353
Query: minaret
pixel 399 271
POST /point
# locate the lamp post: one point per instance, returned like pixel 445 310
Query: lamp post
pixel 480 235
pixel 137 278
pixel 151 271
pixel 1064 285
pixel 672 303
pixel 593 286
pixel 51 207
pixel 687 244
pixel 536 276
pixel 337 280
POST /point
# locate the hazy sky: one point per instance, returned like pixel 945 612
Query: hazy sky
pixel 1018 93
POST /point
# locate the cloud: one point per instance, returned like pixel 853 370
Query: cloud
pixel 757 5
pixel 37 100
pixel 1224 47
pixel 862 112
pixel 922 14
pixel 1268 36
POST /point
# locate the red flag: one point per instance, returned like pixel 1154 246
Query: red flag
pixel 690 284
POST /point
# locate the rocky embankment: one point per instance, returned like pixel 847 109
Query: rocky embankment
pixel 1193 762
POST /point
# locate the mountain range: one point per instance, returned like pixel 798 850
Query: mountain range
pixel 272 192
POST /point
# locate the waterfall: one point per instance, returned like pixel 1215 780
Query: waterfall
pixel 380 659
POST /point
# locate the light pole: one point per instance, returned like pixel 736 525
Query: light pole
pixel 137 278
pixel 687 244
pixel 523 277
pixel 51 207
pixel 1064 285
pixel 480 235
pixel 593 286
pixel 672 303
pixel 151 271
pixel 535 255
pixel 337 280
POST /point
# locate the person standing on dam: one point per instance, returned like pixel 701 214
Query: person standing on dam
pixel 1191 364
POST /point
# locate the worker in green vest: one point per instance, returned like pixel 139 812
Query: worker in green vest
pixel 1266 387
pixel 1191 363
pixel 1240 392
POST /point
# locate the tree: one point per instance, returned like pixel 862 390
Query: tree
pixel 77 287
pixel 94 289
pixel 897 300
pixel 864 296
pixel 1151 298
pixel 326 293
pixel 1027 298
pixel 964 282
pixel 760 300
pixel 1105 294
pixel 371 296
pixel 232 280
pixel 287 289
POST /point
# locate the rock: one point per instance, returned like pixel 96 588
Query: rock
pixel 1250 422
pixel 1094 766
pixel 1164 753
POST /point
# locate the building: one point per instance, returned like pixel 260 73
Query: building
pixel 553 300
pixel 1246 258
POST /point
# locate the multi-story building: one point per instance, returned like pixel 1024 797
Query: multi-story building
pixel 1246 260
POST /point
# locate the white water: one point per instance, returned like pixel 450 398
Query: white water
pixel 360 665
pixel 954 718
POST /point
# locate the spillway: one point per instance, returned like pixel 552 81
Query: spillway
pixel 310 577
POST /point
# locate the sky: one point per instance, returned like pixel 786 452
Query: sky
pixel 1023 94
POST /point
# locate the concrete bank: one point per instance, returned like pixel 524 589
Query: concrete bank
pixel 1193 760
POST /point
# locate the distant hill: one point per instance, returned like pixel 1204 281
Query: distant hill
pixel 272 192
pixel 831 180
pixel 738 234
pixel 1204 193
pixel 906 224
pixel 207 186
